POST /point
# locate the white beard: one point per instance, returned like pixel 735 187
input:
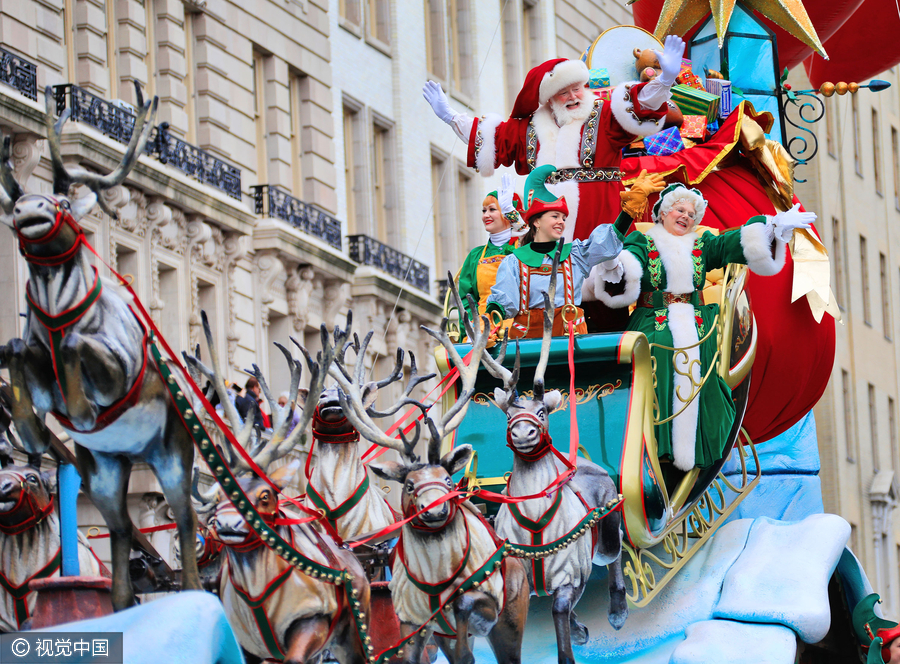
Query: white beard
pixel 565 116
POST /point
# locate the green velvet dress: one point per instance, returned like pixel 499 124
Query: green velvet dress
pixel 683 324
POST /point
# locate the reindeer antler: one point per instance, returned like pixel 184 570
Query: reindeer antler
pixel 350 391
pixel 494 366
pixel 64 178
pixel 479 333
pixel 242 430
pixel 10 191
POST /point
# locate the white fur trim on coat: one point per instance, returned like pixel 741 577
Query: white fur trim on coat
pixel 683 327
pixel 486 155
pixel 560 147
pixel 756 242
pixel 562 76
pixel 675 253
pixel 633 275
pixel 623 112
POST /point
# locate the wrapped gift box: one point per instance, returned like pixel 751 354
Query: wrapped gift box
pixel 598 78
pixel 722 88
pixel 712 127
pixel 664 143
pixel 694 126
pixel 687 76
pixel 692 101
pixel 604 93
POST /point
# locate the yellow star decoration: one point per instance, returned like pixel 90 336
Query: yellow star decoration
pixel 677 17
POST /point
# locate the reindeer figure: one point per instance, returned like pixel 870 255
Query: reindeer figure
pixel 339 484
pixel 562 575
pixel 30 544
pixel 84 356
pixel 446 544
pixel 276 610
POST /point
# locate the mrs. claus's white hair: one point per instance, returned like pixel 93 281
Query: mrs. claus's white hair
pixel 677 195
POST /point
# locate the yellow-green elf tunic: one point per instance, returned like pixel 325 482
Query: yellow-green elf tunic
pixel 479 272
pixel 664 275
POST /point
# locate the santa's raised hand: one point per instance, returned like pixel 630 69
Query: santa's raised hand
pixel 670 59
pixel 435 96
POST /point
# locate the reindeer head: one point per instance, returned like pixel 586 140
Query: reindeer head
pixel 47 225
pixel 224 521
pixel 425 483
pixel 26 493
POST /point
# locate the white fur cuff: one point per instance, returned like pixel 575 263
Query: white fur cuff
pixel 633 275
pixel 486 153
pixel 756 242
pixel 623 112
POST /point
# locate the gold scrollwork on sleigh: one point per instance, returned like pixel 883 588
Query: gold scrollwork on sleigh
pixel 583 395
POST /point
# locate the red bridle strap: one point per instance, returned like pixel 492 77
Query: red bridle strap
pixel 26 505
pixel 63 217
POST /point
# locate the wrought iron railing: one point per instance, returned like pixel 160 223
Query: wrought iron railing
pixel 19 73
pixel 197 163
pixel 104 116
pixel 118 123
pixel 369 251
pixel 273 202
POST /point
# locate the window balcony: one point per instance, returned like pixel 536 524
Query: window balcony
pixel 117 122
pixel 369 251
pixel 19 73
pixel 273 202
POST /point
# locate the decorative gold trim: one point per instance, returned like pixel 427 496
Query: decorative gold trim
pixel 582 395
pixel 687 534
pixel 634 349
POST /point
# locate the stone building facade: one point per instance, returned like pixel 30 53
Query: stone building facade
pixel 853 184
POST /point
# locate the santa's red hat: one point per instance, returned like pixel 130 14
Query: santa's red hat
pixel 546 80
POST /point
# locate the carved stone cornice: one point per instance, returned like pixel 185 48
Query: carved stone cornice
pixel 299 286
pixel 26 155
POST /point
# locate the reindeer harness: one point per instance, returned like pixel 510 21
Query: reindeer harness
pixel 34 515
pixel 455 584
pixel 322 433
pixel 20 592
pixel 537 526
pixel 58 325
pixel 257 604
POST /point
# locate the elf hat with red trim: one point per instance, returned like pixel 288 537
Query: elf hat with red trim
pixel 539 198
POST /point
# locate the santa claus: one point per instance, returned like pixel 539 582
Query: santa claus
pixel 556 120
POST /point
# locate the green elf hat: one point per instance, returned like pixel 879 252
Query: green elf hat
pixel 538 197
pixel 868 627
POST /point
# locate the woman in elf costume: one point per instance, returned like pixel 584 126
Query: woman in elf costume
pixel 500 216
pixel 665 270
pixel 524 275
pixel 879 637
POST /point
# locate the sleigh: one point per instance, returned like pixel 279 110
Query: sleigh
pixel 668 514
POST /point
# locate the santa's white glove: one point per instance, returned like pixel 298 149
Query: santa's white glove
pixel 505 194
pixel 670 59
pixel 611 271
pixel 438 100
pixel 783 224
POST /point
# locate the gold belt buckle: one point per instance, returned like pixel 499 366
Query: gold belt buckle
pixel 569 309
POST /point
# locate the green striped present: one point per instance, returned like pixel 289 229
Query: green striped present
pixel 696 102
